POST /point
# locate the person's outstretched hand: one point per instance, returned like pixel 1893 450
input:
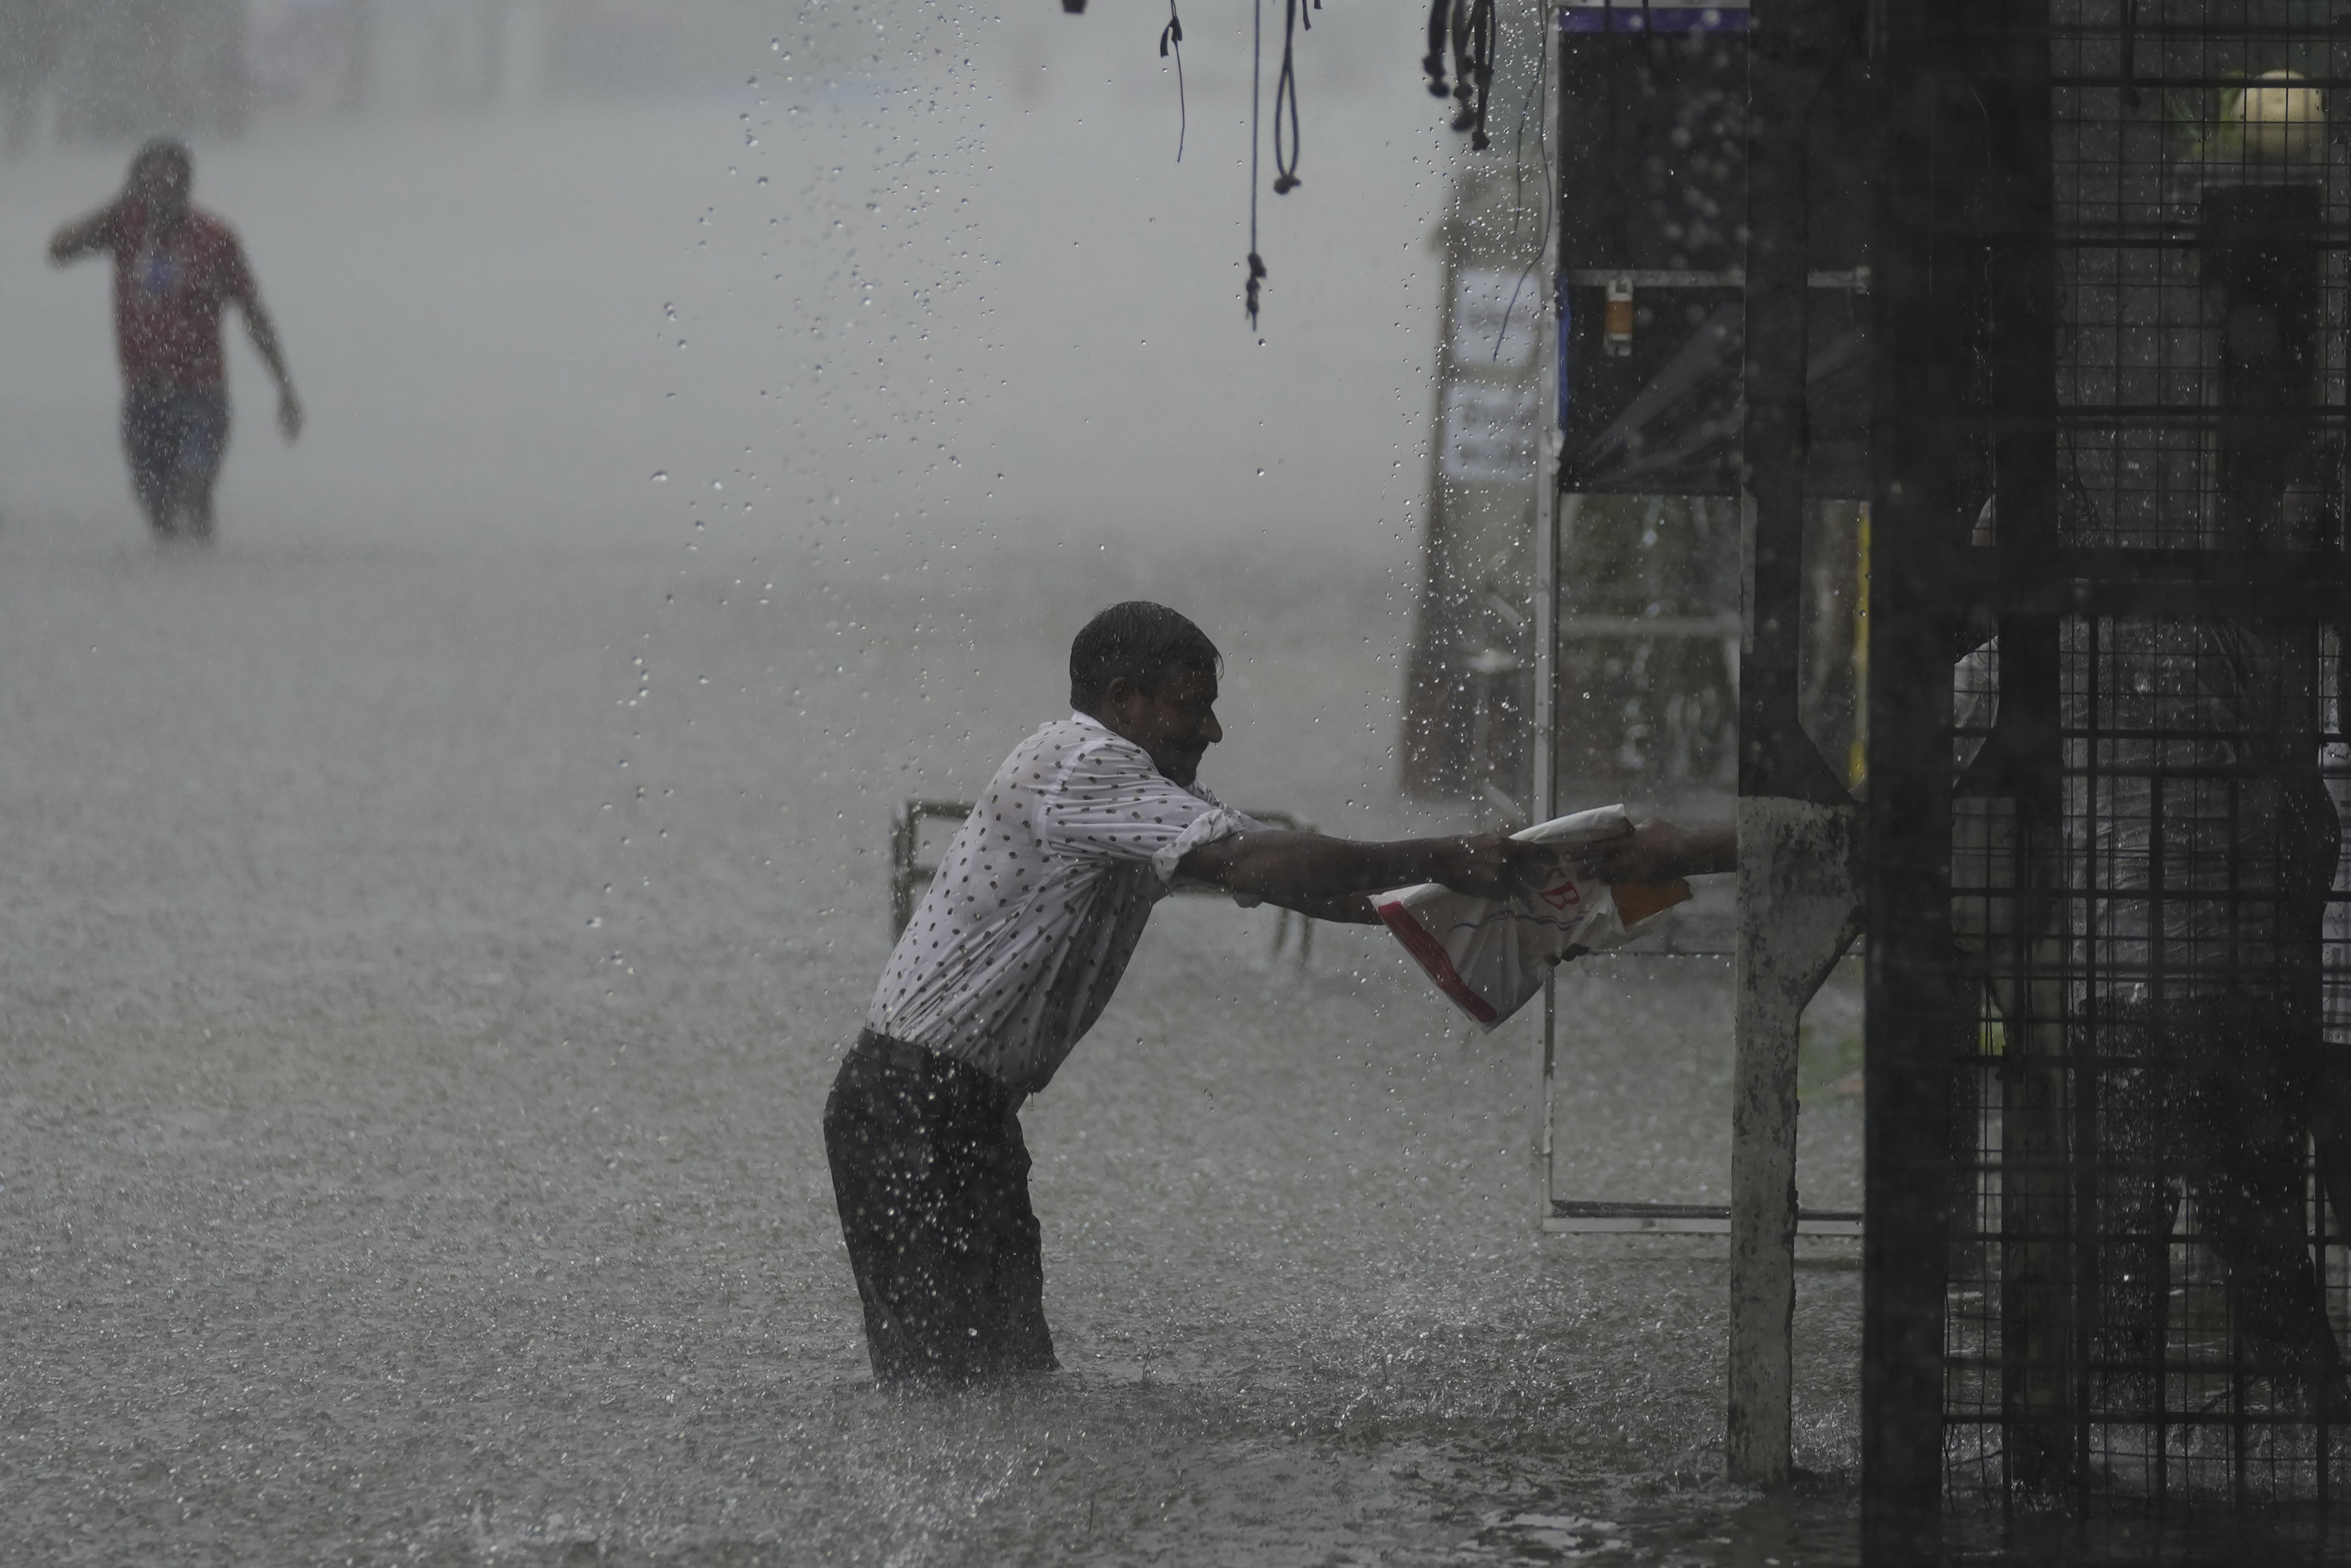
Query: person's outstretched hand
pixel 1495 865
pixel 1660 852
pixel 289 414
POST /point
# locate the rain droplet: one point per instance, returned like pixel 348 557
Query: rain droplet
pixel 661 476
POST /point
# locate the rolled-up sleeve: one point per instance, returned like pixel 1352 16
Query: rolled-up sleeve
pixel 1218 821
pixel 1112 804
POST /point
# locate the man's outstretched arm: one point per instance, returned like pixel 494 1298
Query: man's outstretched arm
pixel 1329 878
pixel 1345 909
pixel 83 236
pixel 1332 879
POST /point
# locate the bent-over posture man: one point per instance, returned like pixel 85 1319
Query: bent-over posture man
pixel 175 270
pixel 1016 949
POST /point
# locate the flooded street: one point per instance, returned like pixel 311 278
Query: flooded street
pixel 435 913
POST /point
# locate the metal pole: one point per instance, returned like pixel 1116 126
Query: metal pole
pixel 1550 506
pixel 1546 779
pixel 1918 519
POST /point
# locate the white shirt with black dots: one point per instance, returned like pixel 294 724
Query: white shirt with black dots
pixel 1039 901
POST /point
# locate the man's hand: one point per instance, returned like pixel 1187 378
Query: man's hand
pixel 1495 865
pixel 263 333
pixel 84 237
pixel 1660 852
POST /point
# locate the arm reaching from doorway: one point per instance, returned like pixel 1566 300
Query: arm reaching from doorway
pixel 1658 851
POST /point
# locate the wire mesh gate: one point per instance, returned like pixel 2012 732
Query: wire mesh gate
pixel 2110 1033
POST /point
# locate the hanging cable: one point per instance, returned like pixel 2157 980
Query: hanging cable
pixel 1433 62
pixel 1464 68
pixel 1541 110
pixel 1481 56
pixel 1257 95
pixel 1469 27
pixel 1519 146
pixel 1285 100
pixel 1171 37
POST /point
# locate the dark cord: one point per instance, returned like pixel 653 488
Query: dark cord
pixel 1470 26
pixel 1519 148
pixel 1285 101
pixel 1542 154
pixel 1464 68
pixel 1481 52
pixel 1433 62
pixel 1171 37
pixel 1257 94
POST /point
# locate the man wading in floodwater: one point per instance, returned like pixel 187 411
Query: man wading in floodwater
pixel 175 270
pixel 1016 949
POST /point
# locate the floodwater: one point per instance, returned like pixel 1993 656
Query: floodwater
pixel 433 914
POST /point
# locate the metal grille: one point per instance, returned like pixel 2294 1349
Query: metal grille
pixel 2139 471
pixel 2193 178
pixel 2141 1277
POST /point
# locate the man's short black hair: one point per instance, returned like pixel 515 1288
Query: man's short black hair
pixel 1145 642
pixel 164 150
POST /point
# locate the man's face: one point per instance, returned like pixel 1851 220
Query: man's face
pixel 1176 724
pixel 162 185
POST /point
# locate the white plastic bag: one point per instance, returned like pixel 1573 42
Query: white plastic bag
pixel 1489 956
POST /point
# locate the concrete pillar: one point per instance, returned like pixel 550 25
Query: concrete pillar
pixel 1797 824
pixel 1798 910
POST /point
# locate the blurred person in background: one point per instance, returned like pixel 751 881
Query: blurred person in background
pixel 176 269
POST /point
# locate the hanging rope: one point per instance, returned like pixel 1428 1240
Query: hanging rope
pixel 1541 108
pixel 1257 95
pixel 1171 37
pixel 1433 62
pixel 1464 68
pixel 1285 98
pixel 1469 27
pixel 1481 66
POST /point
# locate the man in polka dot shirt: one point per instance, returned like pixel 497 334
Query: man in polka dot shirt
pixel 1016 948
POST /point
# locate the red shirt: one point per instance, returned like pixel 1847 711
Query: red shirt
pixel 169 292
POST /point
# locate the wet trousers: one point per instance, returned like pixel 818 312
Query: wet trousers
pixel 174 437
pixel 931 1176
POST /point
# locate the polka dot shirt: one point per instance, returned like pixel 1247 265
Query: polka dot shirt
pixel 1039 901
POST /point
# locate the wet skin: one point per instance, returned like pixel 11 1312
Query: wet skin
pixel 1174 721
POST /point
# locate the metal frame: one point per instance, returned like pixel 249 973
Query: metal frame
pixel 1583 1217
pixel 1558 510
pixel 2093 308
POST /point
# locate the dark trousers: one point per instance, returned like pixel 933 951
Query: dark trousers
pixel 174 437
pixel 931 1179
